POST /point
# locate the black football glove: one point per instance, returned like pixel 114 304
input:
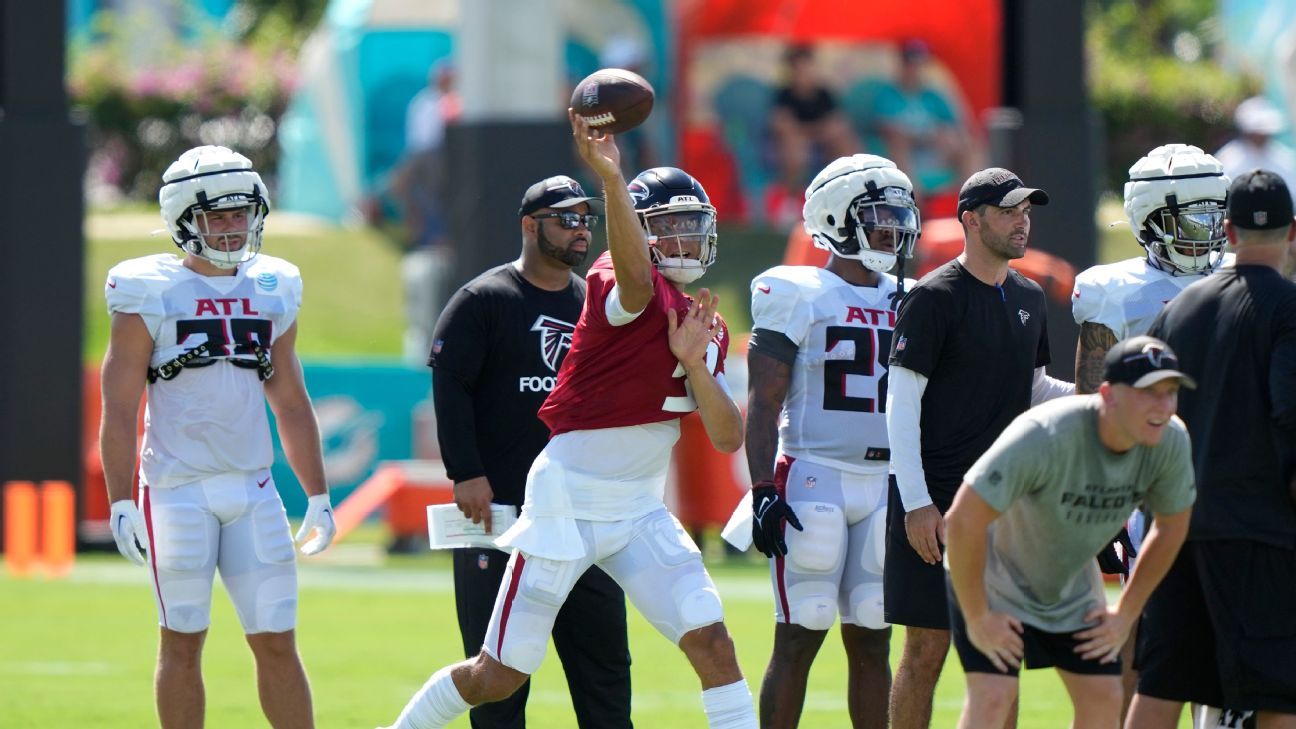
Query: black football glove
pixel 1109 560
pixel 769 511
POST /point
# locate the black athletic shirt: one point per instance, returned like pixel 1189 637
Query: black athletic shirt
pixel 495 354
pixel 978 345
pixel 807 110
pixel 1235 333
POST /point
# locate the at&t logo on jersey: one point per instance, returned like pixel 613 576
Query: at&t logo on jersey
pixel 267 281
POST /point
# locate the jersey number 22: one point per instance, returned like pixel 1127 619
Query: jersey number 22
pixel 871 345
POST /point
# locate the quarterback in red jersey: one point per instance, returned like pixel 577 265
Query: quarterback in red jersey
pixel 643 355
pixel 620 371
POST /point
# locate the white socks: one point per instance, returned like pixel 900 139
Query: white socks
pixel 438 703
pixel 729 707
pixel 435 705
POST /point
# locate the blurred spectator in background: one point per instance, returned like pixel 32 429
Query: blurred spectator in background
pixel 1257 121
pixel 639 145
pixel 808 129
pixel 924 134
pixel 418 185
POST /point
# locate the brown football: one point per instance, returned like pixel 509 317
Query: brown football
pixel 613 100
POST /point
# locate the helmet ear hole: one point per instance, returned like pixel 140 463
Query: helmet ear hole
pixel 830 220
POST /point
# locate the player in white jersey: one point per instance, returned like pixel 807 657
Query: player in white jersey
pixel 1175 204
pixel 816 433
pixel 210 337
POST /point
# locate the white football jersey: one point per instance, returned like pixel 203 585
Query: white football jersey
pixel 835 409
pixel 208 419
pixel 1126 296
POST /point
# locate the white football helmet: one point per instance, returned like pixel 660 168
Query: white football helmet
pixel 208 179
pixel 1175 201
pixel 859 202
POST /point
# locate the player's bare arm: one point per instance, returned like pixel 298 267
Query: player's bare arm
pixel 1095 339
pixel 1160 547
pixel 124 374
pixel 294 416
pixel 997 635
pixel 768 383
pixel 627 241
pixel 689 338
pixel 299 434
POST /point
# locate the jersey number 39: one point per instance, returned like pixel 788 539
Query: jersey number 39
pixel 244 334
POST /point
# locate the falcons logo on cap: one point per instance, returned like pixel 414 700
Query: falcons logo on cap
pixel 555 336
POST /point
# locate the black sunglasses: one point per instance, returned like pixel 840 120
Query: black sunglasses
pixel 571 221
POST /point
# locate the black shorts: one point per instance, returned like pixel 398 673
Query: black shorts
pixel 1042 649
pixel 913 592
pixel 1220 629
pixel 589 636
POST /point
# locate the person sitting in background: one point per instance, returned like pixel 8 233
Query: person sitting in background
pixel 923 132
pixel 806 124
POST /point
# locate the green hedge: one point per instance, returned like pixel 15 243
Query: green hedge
pixel 146 105
pixel 1154 80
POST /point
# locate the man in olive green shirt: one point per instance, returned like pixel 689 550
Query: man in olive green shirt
pixel 1052 492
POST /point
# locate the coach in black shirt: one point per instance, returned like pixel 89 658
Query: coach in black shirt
pixel 1220 630
pixel 495 353
pixel 967 356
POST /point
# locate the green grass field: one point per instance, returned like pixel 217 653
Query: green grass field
pixel 79 651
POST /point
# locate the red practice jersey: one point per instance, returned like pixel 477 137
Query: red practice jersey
pixel 616 376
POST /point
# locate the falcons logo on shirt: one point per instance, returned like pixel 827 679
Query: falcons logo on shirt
pixel 555 336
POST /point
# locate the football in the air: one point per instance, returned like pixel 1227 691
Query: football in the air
pixel 613 100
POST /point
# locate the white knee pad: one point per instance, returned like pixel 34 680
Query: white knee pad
pixel 812 604
pixel 185 604
pixel 866 605
pixel 820 544
pixel 699 604
pixel 183 546
pixel 695 595
pixel 259 570
pixel 544 587
pixel 662 573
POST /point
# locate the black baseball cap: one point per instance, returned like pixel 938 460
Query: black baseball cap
pixel 1142 362
pixel 999 187
pixel 1259 200
pixel 559 191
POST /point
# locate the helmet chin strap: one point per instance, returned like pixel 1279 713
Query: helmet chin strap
pixel 681 275
pixel 900 281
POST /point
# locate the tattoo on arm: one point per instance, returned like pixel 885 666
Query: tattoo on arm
pixel 1095 340
pixel 768 384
